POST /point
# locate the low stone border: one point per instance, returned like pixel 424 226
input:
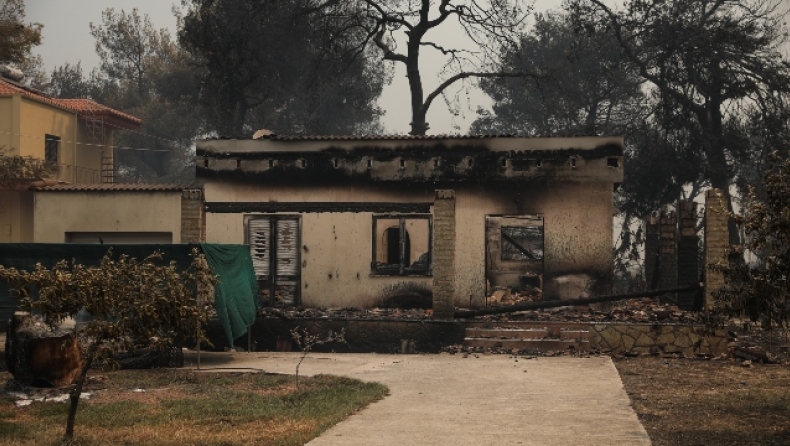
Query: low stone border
pixel 656 338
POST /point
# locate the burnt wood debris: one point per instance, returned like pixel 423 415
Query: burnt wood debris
pixel 572 302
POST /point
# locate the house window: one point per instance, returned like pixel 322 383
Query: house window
pixel 51 148
pixel 401 245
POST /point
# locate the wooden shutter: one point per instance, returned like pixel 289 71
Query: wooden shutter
pixel 259 237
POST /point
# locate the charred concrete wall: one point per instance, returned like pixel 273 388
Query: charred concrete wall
pixel 337 247
pixel 338 192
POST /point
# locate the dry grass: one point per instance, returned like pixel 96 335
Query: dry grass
pixel 691 402
pixel 186 408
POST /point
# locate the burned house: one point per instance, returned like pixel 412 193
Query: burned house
pixel 341 221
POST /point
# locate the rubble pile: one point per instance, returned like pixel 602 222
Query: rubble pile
pixel 467 351
pixel 754 344
pixel 346 313
pixel 646 310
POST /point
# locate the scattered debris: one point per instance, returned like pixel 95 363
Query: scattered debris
pixel 32 394
pixel 642 310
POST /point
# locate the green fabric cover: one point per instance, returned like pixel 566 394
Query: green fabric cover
pixel 236 295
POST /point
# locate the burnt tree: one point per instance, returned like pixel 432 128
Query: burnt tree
pixel 382 24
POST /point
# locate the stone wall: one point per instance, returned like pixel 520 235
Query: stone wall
pixel 444 254
pixel 657 338
pixel 688 253
pixel 668 257
pixel 429 336
pixel 716 240
pixel 193 227
pixel 652 237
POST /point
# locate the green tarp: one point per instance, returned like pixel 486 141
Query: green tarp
pixel 236 295
pixel 233 265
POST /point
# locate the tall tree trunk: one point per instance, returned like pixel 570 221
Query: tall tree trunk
pixel 418 124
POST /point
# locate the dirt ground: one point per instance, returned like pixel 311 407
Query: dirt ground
pixel 692 402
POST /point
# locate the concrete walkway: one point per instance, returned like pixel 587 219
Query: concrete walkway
pixel 456 401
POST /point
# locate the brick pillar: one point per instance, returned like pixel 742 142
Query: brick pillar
pixel 444 254
pixel 667 254
pixel 193 218
pixel 652 236
pixel 716 240
pixel 688 252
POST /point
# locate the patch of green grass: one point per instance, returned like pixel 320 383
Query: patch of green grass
pixel 194 408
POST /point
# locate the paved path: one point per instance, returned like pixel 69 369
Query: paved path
pixel 455 401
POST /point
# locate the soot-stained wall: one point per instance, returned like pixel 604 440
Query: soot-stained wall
pixel 337 247
pixel 337 193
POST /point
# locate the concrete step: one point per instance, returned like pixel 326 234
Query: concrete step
pixel 543 345
pixel 528 333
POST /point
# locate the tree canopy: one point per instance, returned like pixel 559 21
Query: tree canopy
pixel 587 88
pixel 17 38
pixel 265 64
pixel 709 64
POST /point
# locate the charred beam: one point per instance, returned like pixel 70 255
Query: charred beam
pixel 461 314
pixel 317 207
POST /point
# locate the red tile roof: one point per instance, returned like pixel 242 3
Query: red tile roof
pixel 82 107
pixel 111 187
pixel 86 106
pixel 276 137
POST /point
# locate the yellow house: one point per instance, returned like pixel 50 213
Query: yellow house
pixel 76 135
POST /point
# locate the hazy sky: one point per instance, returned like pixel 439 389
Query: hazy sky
pixel 66 38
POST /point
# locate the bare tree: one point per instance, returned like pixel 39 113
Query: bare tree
pixel 385 25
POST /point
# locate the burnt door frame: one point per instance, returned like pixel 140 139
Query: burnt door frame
pixel 272 277
pixel 495 266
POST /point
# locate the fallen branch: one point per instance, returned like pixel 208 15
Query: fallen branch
pixel 461 314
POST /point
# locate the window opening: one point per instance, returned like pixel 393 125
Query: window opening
pixel 401 245
pixel 51 148
pixel 522 243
